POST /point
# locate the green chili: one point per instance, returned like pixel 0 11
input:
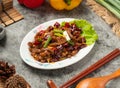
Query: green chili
pixel 58 31
pixel 70 42
pixel 58 34
pixel 47 42
pixel 39 39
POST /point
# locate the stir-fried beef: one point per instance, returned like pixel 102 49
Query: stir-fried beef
pixel 51 45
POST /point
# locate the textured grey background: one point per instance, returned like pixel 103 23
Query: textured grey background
pixel 9 47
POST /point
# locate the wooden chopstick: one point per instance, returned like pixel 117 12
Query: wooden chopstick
pixel 92 68
pixel 51 84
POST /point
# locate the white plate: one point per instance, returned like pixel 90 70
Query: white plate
pixel 28 59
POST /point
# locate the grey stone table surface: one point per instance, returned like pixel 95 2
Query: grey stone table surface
pixel 10 45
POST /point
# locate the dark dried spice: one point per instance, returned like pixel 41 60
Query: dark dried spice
pixel 6 70
pixel 56 25
pixel 16 81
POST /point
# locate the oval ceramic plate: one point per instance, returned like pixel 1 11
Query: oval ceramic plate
pixel 28 59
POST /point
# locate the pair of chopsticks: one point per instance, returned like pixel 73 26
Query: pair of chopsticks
pixel 87 71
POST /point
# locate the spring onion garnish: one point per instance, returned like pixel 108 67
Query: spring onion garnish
pixel 58 34
pixel 71 42
pixel 58 31
pixel 47 42
pixel 39 39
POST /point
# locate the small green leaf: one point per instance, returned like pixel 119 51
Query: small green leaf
pixel 63 24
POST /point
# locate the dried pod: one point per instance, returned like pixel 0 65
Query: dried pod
pixel 6 70
pixel 16 81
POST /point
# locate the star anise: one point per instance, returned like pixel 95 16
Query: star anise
pixel 6 70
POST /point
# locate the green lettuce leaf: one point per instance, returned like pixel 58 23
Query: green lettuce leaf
pixel 88 31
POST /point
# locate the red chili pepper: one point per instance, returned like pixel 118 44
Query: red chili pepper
pixel 76 47
pixel 41 32
pixel 67 24
pixel 53 48
pixel 36 43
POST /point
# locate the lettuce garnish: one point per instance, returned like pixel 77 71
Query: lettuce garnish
pixel 87 30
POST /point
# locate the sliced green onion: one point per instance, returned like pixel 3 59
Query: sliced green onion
pixel 71 42
pixel 58 31
pixel 47 42
pixel 58 34
pixel 39 39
